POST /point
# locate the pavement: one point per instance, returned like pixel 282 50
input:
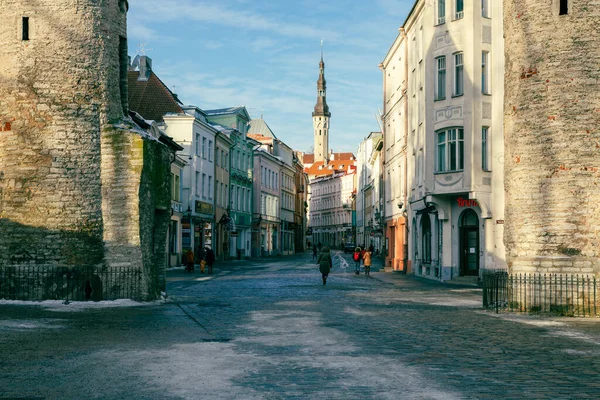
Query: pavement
pixel 268 329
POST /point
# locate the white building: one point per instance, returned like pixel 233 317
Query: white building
pixel 445 101
pixel 369 199
pixel 332 197
pixel 197 136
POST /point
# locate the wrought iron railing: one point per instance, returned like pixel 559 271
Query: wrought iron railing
pixel 561 294
pixel 39 283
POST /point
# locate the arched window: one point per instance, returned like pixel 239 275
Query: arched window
pixel 469 219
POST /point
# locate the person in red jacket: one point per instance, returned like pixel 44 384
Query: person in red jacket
pixel 356 256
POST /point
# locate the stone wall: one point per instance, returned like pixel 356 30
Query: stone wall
pixel 552 136
pixel 75 183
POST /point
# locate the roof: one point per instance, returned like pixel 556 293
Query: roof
pixel 228 111
pixel 318 169
pixel 260 127
pixel 343 157
pixel 308 159
pixel 151 99
pixel 260 138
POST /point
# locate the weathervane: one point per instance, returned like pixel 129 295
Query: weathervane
pixel 142 49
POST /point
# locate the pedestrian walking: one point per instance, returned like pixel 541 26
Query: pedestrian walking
pixel 356 257
pixel 314 249
pixel 367 261
pixel 201 256
pixel 189 261
pixel 210 259
pixel 325 263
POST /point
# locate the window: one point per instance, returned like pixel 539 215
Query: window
pixel 210 150
pixel 459 10
pixel 485 8
pixel 197 183
pixel 217 156
pixel 485 74
pixel 210 193
pixel 458 74
pixel 441 11
pixel 440 83
pixel 450 150
pixel 175 187
pixel 564 8
pixel 25 28
pixel 203 147
pixel 233 197
pixel 198 144
pixel 485 148
pixel 203 185
pixel 426 239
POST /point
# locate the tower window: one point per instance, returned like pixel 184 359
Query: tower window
pixel 564 7
pixel 25 28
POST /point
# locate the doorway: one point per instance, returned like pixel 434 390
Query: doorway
pixel 469 243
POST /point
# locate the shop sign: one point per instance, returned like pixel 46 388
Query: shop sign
pixel 466 202
pixel 203 208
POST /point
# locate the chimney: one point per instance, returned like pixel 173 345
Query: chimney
pixel 145 68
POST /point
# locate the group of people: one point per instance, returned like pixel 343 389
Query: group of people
pixel 204 256
pixel 365 255
pixel 325 262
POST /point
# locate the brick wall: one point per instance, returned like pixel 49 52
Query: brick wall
pixel 552 136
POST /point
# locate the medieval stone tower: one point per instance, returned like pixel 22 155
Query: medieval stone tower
pixel 74 176
pixel 552 135
pixel 321 117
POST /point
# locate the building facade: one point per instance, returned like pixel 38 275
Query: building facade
pixel 266 212
pixel 369 193
pixel 452 93
pixel 241 177
pixel 552 135
pixel 198 137
pixel 223 222
pixel 331 209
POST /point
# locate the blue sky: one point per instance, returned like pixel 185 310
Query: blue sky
pixel 265 55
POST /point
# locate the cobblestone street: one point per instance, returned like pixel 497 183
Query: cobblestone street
pixel 269 330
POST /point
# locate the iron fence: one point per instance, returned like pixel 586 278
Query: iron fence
pixel 560 294
pixel 39 283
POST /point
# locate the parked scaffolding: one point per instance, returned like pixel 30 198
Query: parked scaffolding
pixel 561 294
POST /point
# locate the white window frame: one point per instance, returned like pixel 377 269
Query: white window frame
pixel 485 72
pixel 210 144
pixel 203 185
pixel 459 74
pixel 459 9
pixel 441 12
pixel 440 81
pixel 485 148
pixel 203 147
pixel 485 8
pixel 453 142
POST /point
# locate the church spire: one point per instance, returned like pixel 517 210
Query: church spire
pixel 321 108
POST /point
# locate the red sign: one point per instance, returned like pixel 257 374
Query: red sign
pixel 466 203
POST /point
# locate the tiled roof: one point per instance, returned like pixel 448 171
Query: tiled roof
pixel 260 127
pixel 151 99
pixel 259 137
pixel 315 170
pixel 343 156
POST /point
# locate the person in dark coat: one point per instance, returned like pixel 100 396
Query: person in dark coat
pixel 210 259
pixel 325 263
pixel 314 251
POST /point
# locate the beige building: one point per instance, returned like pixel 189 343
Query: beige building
pixel 443 83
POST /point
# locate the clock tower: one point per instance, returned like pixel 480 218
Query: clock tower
pixel 321 117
